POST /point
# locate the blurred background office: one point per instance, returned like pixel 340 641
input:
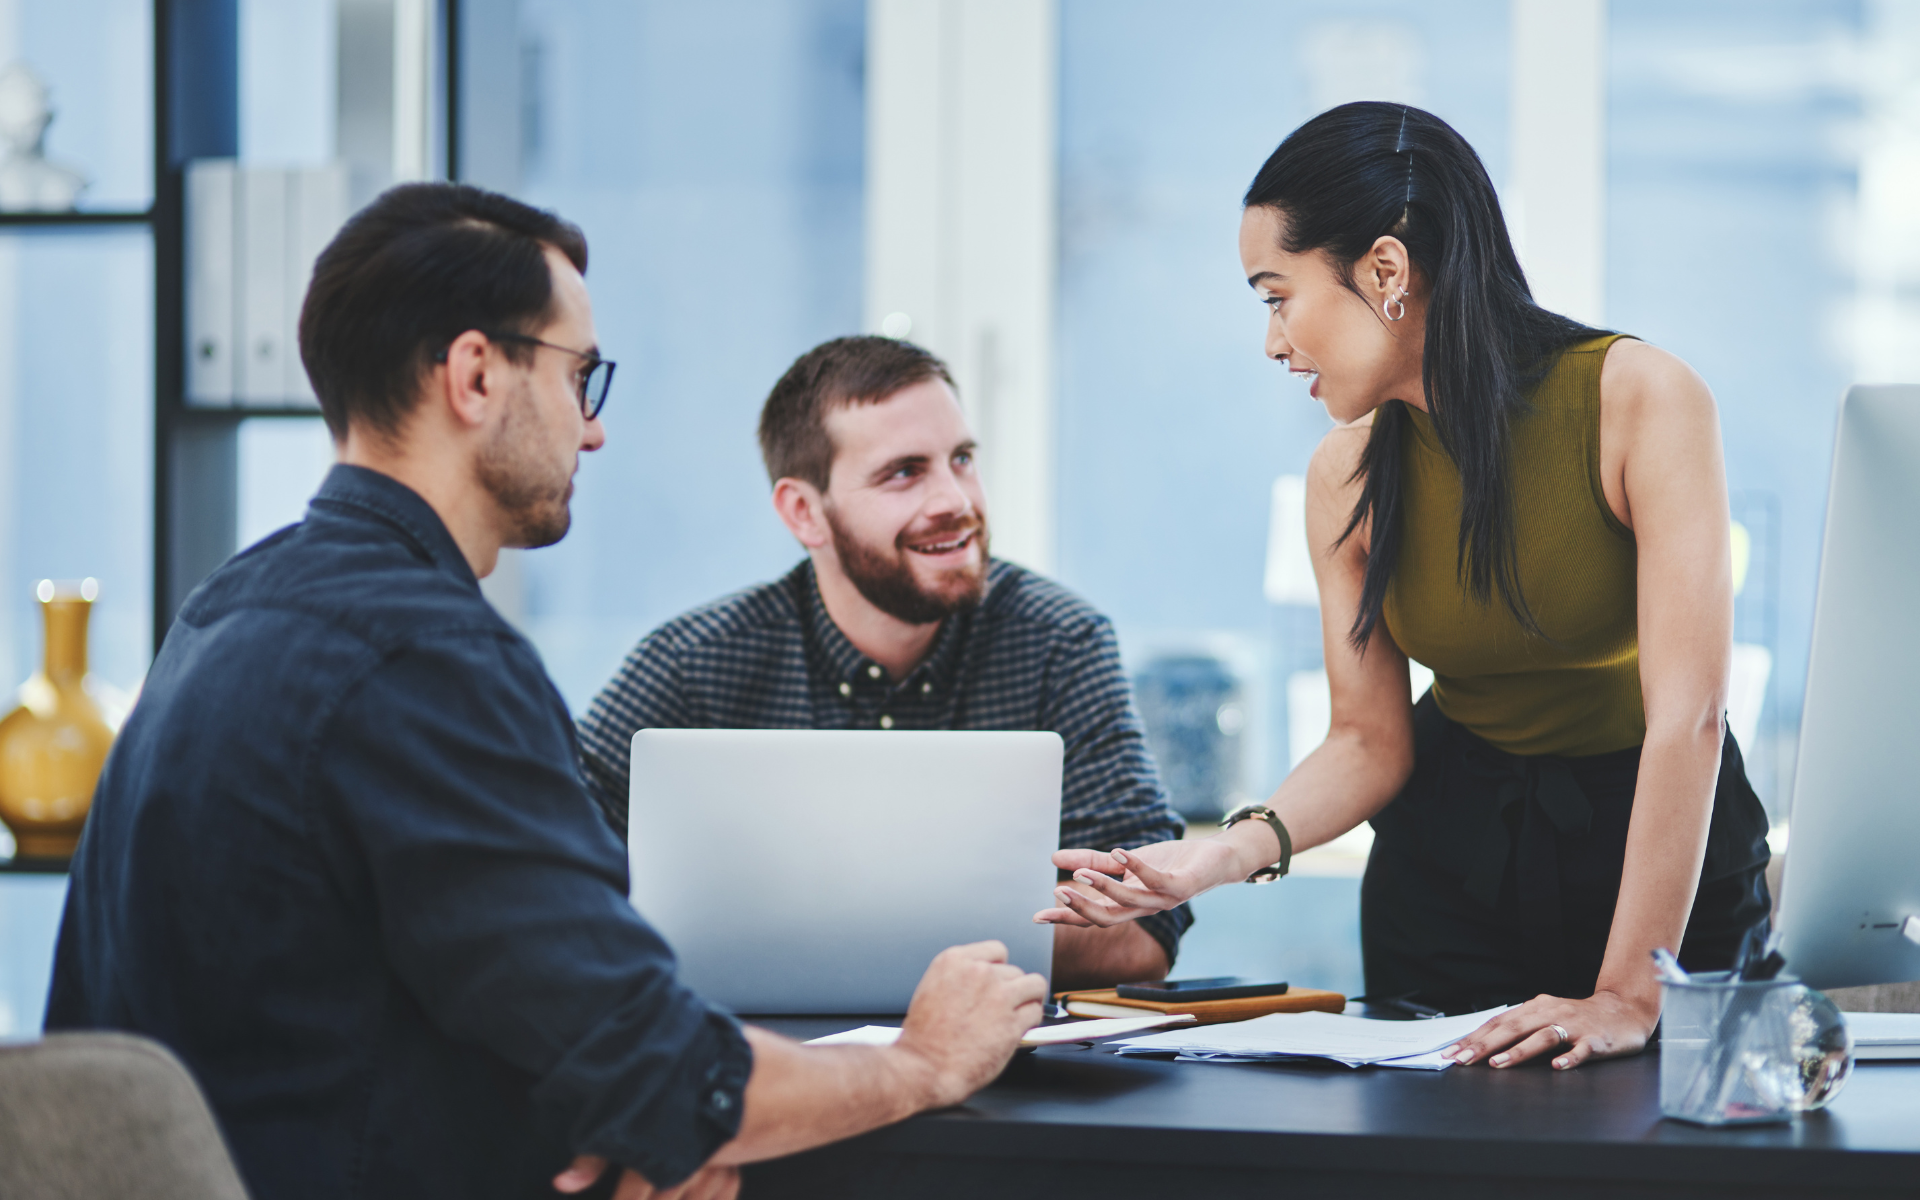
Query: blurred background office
pixel 1044 191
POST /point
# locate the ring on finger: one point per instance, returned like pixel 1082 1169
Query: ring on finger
pixel 1560 1031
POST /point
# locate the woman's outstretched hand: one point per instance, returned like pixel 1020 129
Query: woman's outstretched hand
pixel 1605 1025
pixel 1129 884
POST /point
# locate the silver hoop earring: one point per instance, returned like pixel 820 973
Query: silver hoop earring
pixel 1389 304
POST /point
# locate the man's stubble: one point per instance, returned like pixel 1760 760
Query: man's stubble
pixel 532 491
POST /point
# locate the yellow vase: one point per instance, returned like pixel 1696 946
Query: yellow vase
pixel 54 743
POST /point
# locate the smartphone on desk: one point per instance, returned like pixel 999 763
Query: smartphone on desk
pixel 1220 987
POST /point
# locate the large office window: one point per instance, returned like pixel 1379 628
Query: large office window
pixel 1745 233
pixel 713 155
pixel 1173 426
pixel 76 437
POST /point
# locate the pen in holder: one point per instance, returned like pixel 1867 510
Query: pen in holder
pixel 1734 1052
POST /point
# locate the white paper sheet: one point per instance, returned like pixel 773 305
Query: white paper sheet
pixel 1355 1041
pixel 1068 1032
pixel 1040 1035
pixel 866 1035
pixel 1416 1062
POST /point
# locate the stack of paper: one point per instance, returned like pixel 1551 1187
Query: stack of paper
pixel 1355 1041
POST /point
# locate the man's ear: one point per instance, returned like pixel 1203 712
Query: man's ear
pixel 802 510
pixel 468 382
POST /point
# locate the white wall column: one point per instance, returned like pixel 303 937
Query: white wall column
pixel 1883 327
pixel 962 180
pixel 1556 195
pixel 412 87
pixel 386 87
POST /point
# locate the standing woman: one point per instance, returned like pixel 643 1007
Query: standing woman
pixel 1537 511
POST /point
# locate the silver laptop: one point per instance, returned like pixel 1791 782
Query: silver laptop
pixel 1850 901
pixel 814 871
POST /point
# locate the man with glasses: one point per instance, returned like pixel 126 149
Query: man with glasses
pixel 591 379
pixel 340 859
pixel 898 618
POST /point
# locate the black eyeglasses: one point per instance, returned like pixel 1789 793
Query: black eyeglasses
pixel 595 378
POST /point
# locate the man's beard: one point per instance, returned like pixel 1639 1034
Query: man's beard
pixel 887 581
pixel 532 495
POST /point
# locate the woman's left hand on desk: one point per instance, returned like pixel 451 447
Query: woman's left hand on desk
pixel 1605 1025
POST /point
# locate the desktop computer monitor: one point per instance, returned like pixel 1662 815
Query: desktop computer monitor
pixel 1850 899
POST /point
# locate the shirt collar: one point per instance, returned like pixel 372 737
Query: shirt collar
pixel 392 503
pixel 842 660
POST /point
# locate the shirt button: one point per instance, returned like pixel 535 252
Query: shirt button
pixel 846 689
pixel 925 688
pixel 886 722
pixel 873 672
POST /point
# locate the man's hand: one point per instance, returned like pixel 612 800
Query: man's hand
pixel 708 1183
pixel 962 1026
pixel 966 1019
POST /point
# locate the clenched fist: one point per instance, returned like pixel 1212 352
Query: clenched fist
pixel 967 1017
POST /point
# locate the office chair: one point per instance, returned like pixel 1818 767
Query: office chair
pixel 106 1114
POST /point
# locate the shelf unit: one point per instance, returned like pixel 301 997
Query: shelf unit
pixel 196 46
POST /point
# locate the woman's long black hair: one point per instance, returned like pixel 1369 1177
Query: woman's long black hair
pixel 1362 171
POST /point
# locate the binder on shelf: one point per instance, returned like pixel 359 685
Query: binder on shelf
pixel 319 208
pixel 263 287
pixel 252 236
pixel 210 217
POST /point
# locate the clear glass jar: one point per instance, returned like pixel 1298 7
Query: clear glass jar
pixel 1737 1053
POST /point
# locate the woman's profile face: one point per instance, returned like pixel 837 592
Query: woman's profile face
pixel 1355 357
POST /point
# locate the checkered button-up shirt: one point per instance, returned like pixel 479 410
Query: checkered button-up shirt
pixel 1031 656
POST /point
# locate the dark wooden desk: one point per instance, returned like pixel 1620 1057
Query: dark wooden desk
pixel 1067 1122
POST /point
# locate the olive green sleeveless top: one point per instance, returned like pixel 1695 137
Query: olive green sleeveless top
pixel 1578 693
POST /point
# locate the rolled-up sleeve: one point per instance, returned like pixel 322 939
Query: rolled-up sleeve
pixel 1110 794
pixel 450 778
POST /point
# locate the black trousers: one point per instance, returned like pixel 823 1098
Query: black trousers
pixel 1493 876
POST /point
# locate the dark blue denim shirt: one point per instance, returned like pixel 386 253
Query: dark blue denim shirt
pixel 341 862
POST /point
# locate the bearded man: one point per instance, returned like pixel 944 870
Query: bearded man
pixel 899 619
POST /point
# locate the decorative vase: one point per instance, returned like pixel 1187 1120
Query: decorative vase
pixel 53 744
